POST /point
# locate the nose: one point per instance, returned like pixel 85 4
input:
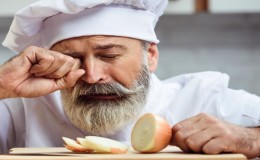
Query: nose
pixel 94 72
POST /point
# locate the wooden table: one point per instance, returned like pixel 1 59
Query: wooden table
pixel 170 153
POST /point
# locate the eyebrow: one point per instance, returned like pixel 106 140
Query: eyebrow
pixel 96 47
pixel 109 46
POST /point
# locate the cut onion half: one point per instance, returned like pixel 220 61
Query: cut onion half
pixel 151 133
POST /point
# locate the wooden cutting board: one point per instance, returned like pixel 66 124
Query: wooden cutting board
pixel 170 153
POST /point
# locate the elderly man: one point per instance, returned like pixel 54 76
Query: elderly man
pixel 86 68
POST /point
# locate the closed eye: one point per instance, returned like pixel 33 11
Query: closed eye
pixel 109 56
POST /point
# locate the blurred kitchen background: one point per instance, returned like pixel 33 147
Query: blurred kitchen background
pixel 195 36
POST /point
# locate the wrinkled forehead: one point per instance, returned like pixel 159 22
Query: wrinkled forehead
pixel 97 42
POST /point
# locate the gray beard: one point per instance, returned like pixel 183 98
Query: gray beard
pixel 104 117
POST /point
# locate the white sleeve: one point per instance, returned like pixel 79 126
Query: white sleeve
pixel 9 131
pixel 240 107
pixel 236 106
pixel 208 92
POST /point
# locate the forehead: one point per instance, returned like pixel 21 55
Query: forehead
pixel 91 41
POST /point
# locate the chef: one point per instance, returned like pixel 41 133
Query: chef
pixel 85 67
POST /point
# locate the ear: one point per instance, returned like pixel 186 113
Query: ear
pixel 153 56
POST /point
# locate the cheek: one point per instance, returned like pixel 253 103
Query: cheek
pixel 127 71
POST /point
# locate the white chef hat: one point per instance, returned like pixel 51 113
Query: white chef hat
pixel 47 22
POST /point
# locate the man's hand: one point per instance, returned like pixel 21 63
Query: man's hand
pixel 37 72
pixel 207 134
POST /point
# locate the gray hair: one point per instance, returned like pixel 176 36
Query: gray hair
pixel 145 44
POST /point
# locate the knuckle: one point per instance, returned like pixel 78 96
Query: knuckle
pixel 191 143
pixel 203 114
pixel 224 128
pixel 70 60
pixel 31 49
pixel 180 136
pixel 194 144
pixel 228 134
pixel 208 118
pixel 62 83
pixel 49 58
pixel 220 126
pixel 65 59
pixel 60 57
pixel 207 137
pixel 176 127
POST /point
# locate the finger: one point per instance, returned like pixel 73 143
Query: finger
pixel 77 64
pixel 60 66
pixel 38 70
pixel 184 137
pixel 215 146
pixel 185 123
pixel 64 69
pixel 178 139
pixel 43 64
pixel 187 127
pixel 184 132
pixel 69 80
pixel 40 58
pixel 60 72
pixel 196 141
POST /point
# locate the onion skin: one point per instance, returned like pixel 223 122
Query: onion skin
pixel 163 135
pixel 161 138
pixel 117 151
pixel 77 150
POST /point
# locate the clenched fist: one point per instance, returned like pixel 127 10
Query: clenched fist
pixel 207 134
pixel 36 72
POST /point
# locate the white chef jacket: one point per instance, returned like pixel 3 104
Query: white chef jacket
pixel 41 121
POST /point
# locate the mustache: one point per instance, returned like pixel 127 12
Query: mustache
pixel 106 89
